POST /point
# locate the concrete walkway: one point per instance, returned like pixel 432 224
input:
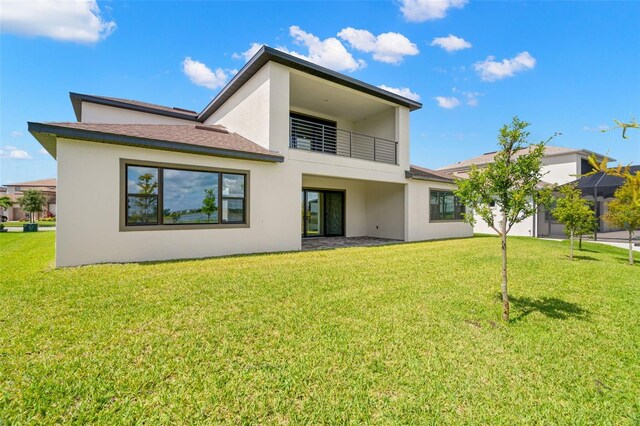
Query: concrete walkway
pixel 623 245
pixel 40 228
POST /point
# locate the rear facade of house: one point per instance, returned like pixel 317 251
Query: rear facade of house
pixel 287 150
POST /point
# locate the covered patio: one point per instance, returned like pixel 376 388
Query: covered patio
pixel 326 243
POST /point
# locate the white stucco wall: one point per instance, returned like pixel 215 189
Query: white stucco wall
pixel 380 125
pixel 522 229
pixel 417 212
pixel 247 111
pixel 88 206
pixel 95 113
pixel 561 168
pixel 385 210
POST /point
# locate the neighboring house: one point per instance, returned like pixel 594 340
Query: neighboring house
pixel 287 150
pixel 598 188
pixel 16 190
pixel 560 166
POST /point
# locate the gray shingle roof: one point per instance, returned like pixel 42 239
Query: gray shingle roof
pixel 192 138
pixel 417 172
pixel 487 158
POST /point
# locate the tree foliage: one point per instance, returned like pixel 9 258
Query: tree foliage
pixel 512 183
pixel 32 201
pixel 623 212
pixel 624 172
pixel 575 213
pixel 146 201
pixel 209 203
pixel 5 202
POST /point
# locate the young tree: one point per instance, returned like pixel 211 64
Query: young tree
pixel 575 213
pixel 512 183
pixel 623 212
pixel 32 201
pixel 146 204
pixel 209 203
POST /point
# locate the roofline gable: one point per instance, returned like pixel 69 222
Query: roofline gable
pixel 268 54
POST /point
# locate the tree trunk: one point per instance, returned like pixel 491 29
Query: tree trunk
pixel 580 243
pixel 571 245
pixel 505 294
pixel 630 248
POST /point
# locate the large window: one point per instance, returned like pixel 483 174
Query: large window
pixel 161 196
pixel 443 205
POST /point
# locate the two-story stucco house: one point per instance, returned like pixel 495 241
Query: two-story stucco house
pixel 559 166
pixel 287 150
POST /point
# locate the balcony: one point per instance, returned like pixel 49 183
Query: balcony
pixel 315 137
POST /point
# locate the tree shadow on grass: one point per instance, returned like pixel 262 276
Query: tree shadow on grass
pixel 550 307
pixel 579 257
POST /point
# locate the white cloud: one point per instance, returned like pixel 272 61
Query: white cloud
pixel 14 153
pixel 329 53
pixel 471 98
pixel 600 128
pixel 390 48
pixel 491 70
pixel 202 75
pixel 16 134
pixel 447 102
pixel 43 151
pixel 451 43
pixel 402 91
pixel 248 54
pixel 64 20
pixel 428 10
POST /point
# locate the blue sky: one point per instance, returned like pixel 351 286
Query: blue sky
pixel 569 67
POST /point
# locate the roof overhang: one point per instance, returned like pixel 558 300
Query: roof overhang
pixel 46 134
pixel 78 98
pixel 424 174
pixel 268 54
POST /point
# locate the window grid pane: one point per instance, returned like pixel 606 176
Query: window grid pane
pixel 444 205
pixel 183 196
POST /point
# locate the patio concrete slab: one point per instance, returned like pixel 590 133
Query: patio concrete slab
pixel 324 243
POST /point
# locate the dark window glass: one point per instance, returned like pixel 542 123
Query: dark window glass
pixel 232 210
pixel 189 196
pixel 233 193
pixel 142 195
pixel 443 205
pixel 183 196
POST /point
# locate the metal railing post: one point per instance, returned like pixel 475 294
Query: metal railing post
pixel 374 149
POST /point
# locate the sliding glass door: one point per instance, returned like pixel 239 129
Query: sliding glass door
pixel 322 213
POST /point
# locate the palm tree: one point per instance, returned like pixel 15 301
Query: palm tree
pixel 5 202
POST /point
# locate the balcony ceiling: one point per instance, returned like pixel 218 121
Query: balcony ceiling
pixel 324 97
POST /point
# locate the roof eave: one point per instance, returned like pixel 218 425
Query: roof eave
pixel 410 175
pixel 267 54
pixel 41 130
pixel 78 98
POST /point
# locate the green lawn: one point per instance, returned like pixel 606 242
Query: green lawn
pixel 17 224
pixel 398 334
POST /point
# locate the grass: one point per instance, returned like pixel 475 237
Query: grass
pixel 406 334
pixel 18 224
